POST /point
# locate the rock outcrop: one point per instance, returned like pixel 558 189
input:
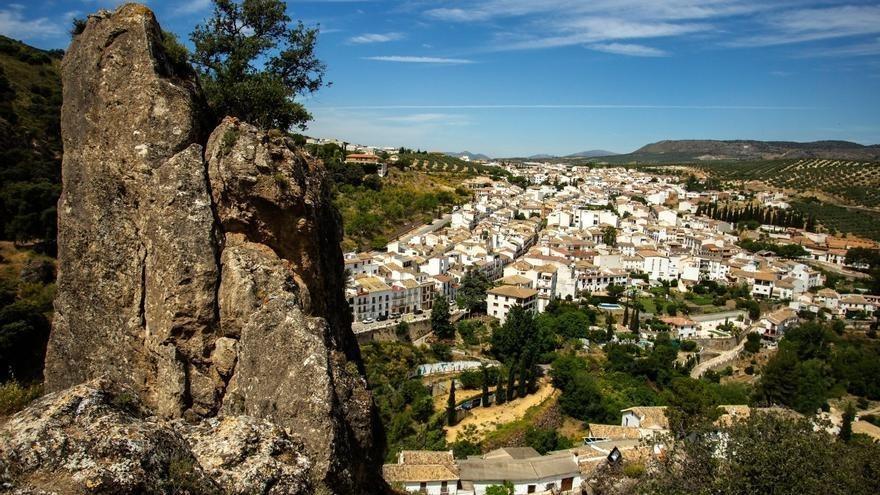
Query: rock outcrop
pixel 200 271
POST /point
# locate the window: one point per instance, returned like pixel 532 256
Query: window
pixel 530 489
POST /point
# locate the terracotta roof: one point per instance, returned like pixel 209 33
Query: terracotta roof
pixel 614 432
pixel 650 416
pixel 515 292
pixel 428 472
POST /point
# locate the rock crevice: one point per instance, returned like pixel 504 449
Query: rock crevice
pixel 200 271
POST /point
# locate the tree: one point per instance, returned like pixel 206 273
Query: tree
pixel 440 324
pixel 609 329
pixel 500 394
pixel 609 236
pixel 472 291
pixel 753 343
pixel 765 453
pixel 625 314
pixel 522 386
pixel 451 416
pixel 252 63
pixel 504 489
pixel 511 381
pixel 615 291
pixel 484 400
pixel 849 414
pixel 690 405
pixel 402 331
pixel 634 322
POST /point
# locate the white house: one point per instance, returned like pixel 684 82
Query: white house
pixel 499 300
pixel 525 468
pixel 424 471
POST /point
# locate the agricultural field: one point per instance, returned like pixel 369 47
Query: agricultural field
pixel 850 182
pixel 835 218
pixel 440 163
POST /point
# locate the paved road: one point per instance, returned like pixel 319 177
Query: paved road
pixel 360 327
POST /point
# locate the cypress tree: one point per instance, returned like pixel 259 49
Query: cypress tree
pixel 451 417
pixel 523 377
pixel 609 331
pixel 634 323
pixel 484 400
pixel 500 396
pixel 511 381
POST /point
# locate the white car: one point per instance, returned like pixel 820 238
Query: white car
pixel 367 320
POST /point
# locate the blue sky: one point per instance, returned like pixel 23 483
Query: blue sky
pixel 518 77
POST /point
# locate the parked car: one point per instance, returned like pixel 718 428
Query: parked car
pixel 367 320
pixel 382 317
pixel 395 316
pixel 418 312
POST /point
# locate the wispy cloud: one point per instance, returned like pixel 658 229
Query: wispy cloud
pixel 569 106
pixel 368 38
pixel 630 49
pixel 192 7
pixel 869 48
pixel 419 60
pixel 798 26
pixel 428 118
pixel 15 25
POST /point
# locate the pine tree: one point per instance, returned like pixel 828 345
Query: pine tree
pixel 625 314
pixel 484 400
pixel 500 395
pixel 451 417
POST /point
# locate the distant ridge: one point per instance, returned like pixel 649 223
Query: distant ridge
pixel 708 150
pixel 591 154
pixel 472 156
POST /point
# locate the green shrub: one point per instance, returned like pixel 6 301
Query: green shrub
pixel 634 470
pixel 14 397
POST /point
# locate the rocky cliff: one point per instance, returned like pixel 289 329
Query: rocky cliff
pixel 200 275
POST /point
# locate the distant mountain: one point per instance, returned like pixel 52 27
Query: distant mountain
pixel 703 150
pixel 473 156
pixel 591 154
pixel 540 156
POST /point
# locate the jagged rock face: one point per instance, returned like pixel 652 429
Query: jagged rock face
pixel 136 249
pixel 97 438
pixel 204 275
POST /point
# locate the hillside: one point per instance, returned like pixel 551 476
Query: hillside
pixel 473 156
pixel 30 140
pixel 707 150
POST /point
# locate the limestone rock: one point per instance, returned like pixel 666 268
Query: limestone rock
pixel 136 246
pixel 245 455
pixel 95 438
pixel 202 271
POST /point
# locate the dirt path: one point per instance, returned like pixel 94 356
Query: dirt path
pixel 723 358
pixel 488 418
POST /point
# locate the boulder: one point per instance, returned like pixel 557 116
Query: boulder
pixel 201 271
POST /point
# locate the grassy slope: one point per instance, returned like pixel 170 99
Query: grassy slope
pixel 407 198
pixel 30 140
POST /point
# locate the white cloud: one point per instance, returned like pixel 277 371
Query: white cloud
pixel 15 25
pixel 367 38
pixel 428 118
pixel 798 26
pixel 419 60
pixel 192 7
pixel 632 50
